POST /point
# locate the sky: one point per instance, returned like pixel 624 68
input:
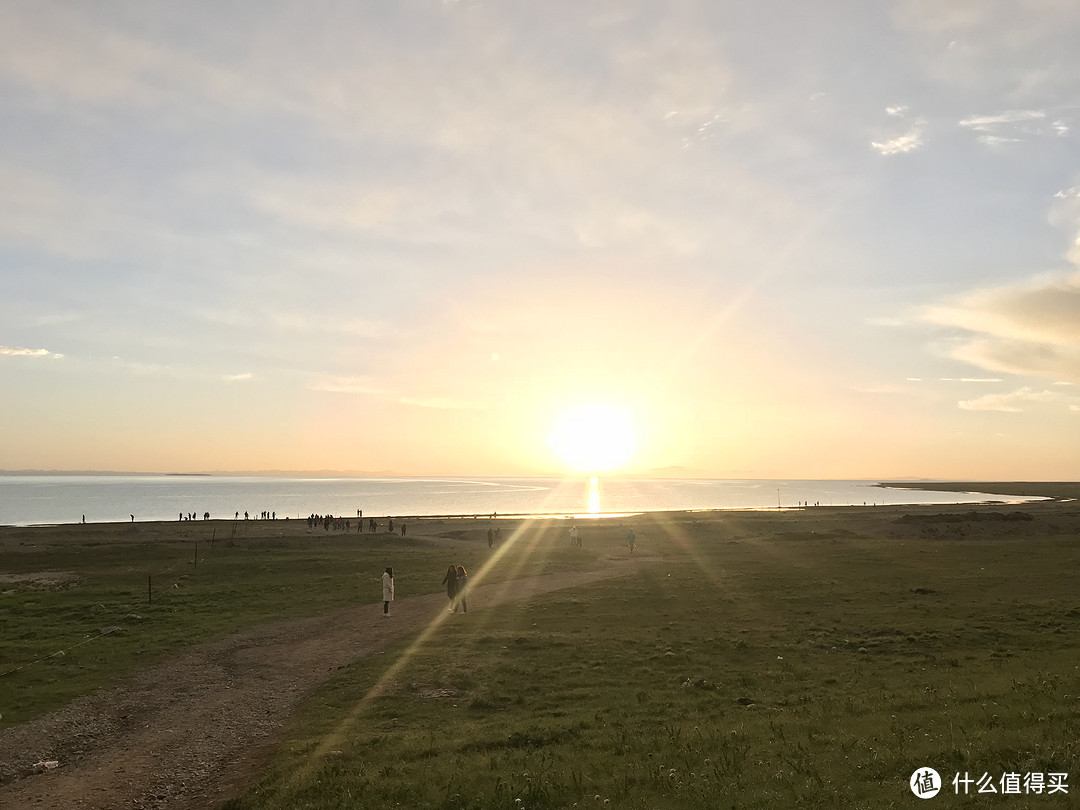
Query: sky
pixel 770 239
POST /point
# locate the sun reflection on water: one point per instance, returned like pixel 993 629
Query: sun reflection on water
pixel 594 496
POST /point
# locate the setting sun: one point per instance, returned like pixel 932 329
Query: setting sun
pixel 593 438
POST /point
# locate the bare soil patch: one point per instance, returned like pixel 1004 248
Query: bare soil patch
pixel 39 580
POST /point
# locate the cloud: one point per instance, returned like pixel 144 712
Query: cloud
pixel 66 55
pixel 884 388
pixel 971 379
pixel 902 144
pixel 244 377
pixel 1025 358
pixel 371 387
pixel 1013 126
pixel 989 123
pixel 1045 310
pixel 1014 49
pixel 1065 214
pixel 350 385
pixel 284 320
pixel 1027 328
pixel 15 351
pixel 1012 402
pixel 440 403
pixel 333 207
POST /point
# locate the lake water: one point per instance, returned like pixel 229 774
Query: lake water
pixel 41 499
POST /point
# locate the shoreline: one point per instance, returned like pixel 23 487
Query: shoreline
pixel 1061 491
pixel 980 492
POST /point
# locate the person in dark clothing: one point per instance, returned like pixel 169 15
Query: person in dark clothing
pixel 450 581
pixel 462 584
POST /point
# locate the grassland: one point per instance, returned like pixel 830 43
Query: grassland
pixel 81 606
pixel 757 660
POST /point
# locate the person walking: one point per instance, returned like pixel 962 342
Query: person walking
pixel 387 590
pixel 462 584
pixel 631 541
pixel 451 583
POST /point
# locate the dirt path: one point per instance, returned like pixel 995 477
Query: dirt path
pixel 190 732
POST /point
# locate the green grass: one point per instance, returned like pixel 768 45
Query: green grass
pixel 106 623
pixel 763 663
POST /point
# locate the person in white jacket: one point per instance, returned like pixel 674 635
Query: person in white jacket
pixel 387 590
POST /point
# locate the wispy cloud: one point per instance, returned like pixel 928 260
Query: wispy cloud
pixel 15 351
pixel 292 321
pixel 367 386
pixel 244 377
pixel 1012 402
pixel 440 403
pixel 885 388
pixel 1027 328
pixel 990 123
pixel 998 48
pixel 1013 126
pixel 350 385
pixel 1045 310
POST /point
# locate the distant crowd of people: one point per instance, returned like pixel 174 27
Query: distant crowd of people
pixel 340 524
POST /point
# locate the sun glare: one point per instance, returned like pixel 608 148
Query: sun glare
pixel 593 438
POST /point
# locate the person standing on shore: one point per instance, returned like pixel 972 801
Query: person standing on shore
pixel 450 581
pixel 387 590
pixel 631 541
